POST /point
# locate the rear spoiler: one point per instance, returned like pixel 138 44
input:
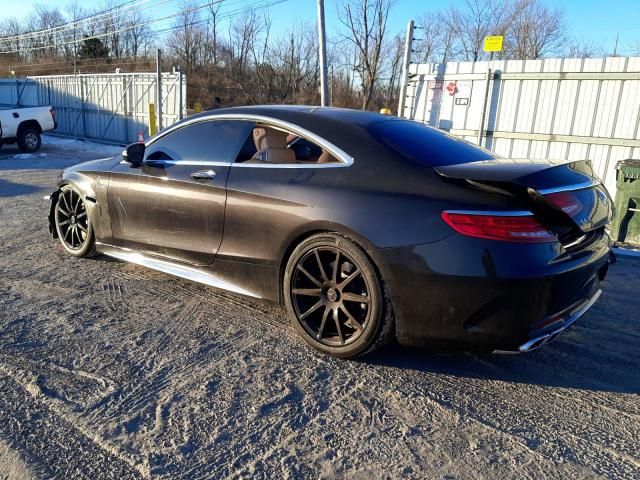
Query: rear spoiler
pixel 531 181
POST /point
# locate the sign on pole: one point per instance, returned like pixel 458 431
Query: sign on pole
pixel 493 43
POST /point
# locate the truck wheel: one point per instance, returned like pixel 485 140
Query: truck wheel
pixel 29 140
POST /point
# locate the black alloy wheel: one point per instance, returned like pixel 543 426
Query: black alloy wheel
pixel 72 223
pixel 334 296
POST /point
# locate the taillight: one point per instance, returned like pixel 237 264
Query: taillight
pixel 567 201
pixel 508 228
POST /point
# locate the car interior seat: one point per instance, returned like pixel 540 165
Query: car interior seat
pixel 271 146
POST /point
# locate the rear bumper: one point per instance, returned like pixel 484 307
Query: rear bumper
pixel 492 295
pixel 565 322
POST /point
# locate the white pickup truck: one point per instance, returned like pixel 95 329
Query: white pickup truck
pixel 24 126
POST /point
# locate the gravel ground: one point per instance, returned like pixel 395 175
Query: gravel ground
pixel 109 370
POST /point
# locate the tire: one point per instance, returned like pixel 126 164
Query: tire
pixel 324 280
pixel 73 224
pixel 29 140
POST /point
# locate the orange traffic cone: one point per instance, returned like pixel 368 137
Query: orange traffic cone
pixel 140 137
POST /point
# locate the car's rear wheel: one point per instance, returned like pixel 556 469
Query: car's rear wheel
pixel 29 140
pixel 335 297
pixel 73 224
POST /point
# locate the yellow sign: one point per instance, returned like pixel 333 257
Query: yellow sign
pixel 493 43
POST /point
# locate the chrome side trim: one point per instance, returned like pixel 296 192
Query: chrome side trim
pixel 541 340
pixel 203 163
pixel 343 157
pixel 496 213
pixel 291 165
pixel 575 242
pixel 171 268
pixel 568 188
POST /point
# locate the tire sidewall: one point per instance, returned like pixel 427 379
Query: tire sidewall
pixel 87 248
pixel 23 146
pixel 372 281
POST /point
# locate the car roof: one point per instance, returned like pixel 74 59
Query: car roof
pixel 284 112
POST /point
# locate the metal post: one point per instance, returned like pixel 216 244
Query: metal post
pixel 483 114
pixel 82 106
pixel 408 45
pixel 181 100
pixel 324 94
pixel 159 87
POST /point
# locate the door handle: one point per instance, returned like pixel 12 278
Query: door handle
pixel 204 175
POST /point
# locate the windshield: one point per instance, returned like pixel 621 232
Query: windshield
pixel 426 145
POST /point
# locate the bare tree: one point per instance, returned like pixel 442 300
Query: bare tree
pixel 581 49
pixel 366 23
pixel 10 28
pixel 47 18
pixel 470 24
pixel 394 53
pixel 186 39
pixel 634 48
pixel 438 37
pixel 212 33
pixel 113 24
pixel 137 36
pixel 534 30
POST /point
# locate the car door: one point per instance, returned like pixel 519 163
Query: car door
pixel 173 204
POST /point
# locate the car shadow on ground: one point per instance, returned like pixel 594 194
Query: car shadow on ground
pixel 535 368
pixel 601 352
pixel 11 189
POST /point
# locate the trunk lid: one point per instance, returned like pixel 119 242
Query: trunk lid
pixel 566 195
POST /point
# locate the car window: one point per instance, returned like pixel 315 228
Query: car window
pixel 266 145
pixel 426 145
pixel 213 141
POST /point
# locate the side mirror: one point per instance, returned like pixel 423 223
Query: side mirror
pixel 134 154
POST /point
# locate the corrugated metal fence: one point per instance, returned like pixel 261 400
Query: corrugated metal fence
pixel 108 107
pixel 553 108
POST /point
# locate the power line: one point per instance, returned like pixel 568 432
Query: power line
pixel 102 35
pixel 75 27
pixel 230 14
pixel 78 23
pixel 266 4
pixel 103 64
pixel 71 61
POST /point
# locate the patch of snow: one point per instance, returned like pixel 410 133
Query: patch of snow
pixel 83 145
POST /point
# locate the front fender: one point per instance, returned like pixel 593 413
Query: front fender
pixel 85 184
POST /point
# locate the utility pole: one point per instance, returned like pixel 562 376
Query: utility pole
pixel 159 87
pixel 408 45
pixel 324 93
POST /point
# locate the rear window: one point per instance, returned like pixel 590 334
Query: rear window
pixel 426 145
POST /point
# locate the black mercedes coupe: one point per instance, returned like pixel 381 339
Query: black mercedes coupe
pixel 366 227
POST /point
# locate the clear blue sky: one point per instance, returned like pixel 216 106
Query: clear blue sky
pixel 595 21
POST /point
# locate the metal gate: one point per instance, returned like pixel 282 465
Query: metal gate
pixel 111 107
pixel 584 108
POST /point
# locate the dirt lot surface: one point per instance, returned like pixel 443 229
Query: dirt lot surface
pixel 109 370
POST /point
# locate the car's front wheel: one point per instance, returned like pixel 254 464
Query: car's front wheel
pixel 73 224
pixel 335 297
